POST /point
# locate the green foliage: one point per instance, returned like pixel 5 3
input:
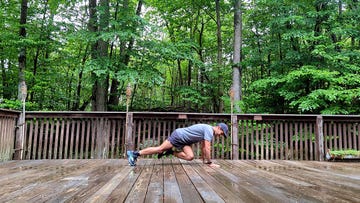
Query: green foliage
pixel 309 90
pixel 303 70
pixel 192 95
pixel 10 104
pixel 99 67
pixel 344 153
pixel 298 57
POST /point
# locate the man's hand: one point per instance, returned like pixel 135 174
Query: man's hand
pixel 211 164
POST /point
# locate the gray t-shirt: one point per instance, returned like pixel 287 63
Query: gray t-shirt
pixel 195 133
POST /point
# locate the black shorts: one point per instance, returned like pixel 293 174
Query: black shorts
pixel 175 141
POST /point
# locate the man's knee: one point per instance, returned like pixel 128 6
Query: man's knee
pixel 190 157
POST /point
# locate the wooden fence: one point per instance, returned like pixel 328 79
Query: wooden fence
pixel 84 135
pixel 103 135
pixel 294 137
pixel 8 125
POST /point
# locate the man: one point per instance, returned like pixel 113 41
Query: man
pixel 182 139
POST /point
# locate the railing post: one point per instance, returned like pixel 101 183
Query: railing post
pixel 319 139
pixel 128 129
pixel 19 137
pixel 20 133
pixel 234 136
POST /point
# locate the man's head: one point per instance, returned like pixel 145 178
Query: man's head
pixel 223 129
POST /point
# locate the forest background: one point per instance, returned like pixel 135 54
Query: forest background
pixel 181 55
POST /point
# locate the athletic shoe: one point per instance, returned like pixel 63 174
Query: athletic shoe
pixel 131 158
pixel 166 153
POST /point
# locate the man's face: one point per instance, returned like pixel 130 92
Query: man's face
pixel 218 131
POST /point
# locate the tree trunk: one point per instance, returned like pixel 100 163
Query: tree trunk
pixel 92 26
pixel 22 53
pixel 76 104
pixel 124 57
pixel 219 58
pixel 99 53
pixel 237 55
pixel 22 90
pixel 114 92
pixel 102 85
pixel 202 76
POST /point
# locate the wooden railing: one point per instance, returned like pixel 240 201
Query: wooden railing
pixel 83 135
pixel 8 125
pixel 103 135
pixel 294 137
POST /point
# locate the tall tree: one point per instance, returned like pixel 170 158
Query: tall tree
pixel 22 53
pixel 92 26
pixel 237 69
pixel 99 53
pixel 22 89
pixel 219 56
pixel 126 46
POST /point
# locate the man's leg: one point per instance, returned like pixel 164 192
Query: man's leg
pixel 187 153
pixel 156 150
pixel 133 155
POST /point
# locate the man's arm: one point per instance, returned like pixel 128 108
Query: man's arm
pixel 206 151
pixel 202 150
pixel 205 147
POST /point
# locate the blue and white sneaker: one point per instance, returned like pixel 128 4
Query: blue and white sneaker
pixel 131 158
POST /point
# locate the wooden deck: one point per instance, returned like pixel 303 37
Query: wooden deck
pixel 172 180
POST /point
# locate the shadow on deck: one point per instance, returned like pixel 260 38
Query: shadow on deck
pixel 172 180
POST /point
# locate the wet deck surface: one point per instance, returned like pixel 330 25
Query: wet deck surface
pixel 172 180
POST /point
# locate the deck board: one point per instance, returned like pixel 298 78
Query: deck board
pixel 174 180
pixel 137 193
pixel 249 189
pixel 189 193
pixel 171 187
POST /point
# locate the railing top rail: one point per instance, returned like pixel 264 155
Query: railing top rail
pixel 341 118
pixel 107 114
pixel 189 116
pixel 9 113
pixel 74 114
